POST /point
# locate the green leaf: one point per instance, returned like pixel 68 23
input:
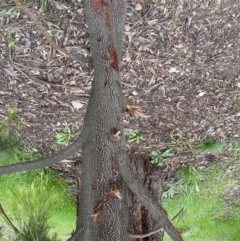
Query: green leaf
pixel 167 153
pixel 154 153
pixel 160 163
pixel 131 140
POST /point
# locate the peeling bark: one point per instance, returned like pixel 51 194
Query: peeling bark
pixel 140 221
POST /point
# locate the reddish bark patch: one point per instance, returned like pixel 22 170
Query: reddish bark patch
pixel 99 38
pixel 144 219
pixel 103 8
pixel 113 55
pixel 97 5
pixel 105 82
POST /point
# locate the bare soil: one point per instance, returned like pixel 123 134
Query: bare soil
pixel 180 65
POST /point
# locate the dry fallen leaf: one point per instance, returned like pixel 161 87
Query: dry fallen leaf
pixel 76 104
pixel 138 7
pixel 185 47
pixel 135 110
pixel 202 93
pixel 173 70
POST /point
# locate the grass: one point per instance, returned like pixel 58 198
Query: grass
pixel 31 190
pixel 199 199
pixel 207 215
pixel 21 193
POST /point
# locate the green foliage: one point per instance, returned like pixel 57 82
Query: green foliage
pixel 13 42
pixel 209 144
pixel 37 201
pixel 179 143
pixel 2 238
pixel 207 215
pixel 192 176
pixel 187 182
pixel 43 4
pixel 8 12
pixel 158 158
pixel 156 3
pixel 212 3
pixel 32 206
pixel 162 37
pixel 8 139
pixel 236 100
pixel 21 186
pixel 226 50
pixel 235 148
pixel 24 195
pixel 174 188
pixel 213 52
pixel 135 137
pixel 10 38
pixel 64 137
pixel 12 119
pixel 11 146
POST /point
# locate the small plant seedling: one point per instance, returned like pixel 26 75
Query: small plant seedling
pixel 64 137
pixel 135 137
pixel 11 40
pixel 162 37
pixel 211 4
pixel 156 2
pixel 226 50
pixel 209 144
pixel 12 118
pixel 179 143
pixel 213 52
pixel 192 177
pixel 157 158
pixel 43 4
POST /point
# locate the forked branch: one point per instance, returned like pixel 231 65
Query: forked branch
pixel 144 196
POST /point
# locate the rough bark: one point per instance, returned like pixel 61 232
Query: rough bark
pixel 146 198
pixel 102 211
pixel 140 221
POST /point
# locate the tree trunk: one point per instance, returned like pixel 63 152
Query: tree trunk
pixel 140 221
pixel 103 210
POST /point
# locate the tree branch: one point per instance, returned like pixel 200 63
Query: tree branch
pixel 61 50
pixel 157 230
pixel 145 235
pixel 16 231
pixel 32 165
pixel 144 196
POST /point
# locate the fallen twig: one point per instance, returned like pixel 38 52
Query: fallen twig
pixel 61 50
